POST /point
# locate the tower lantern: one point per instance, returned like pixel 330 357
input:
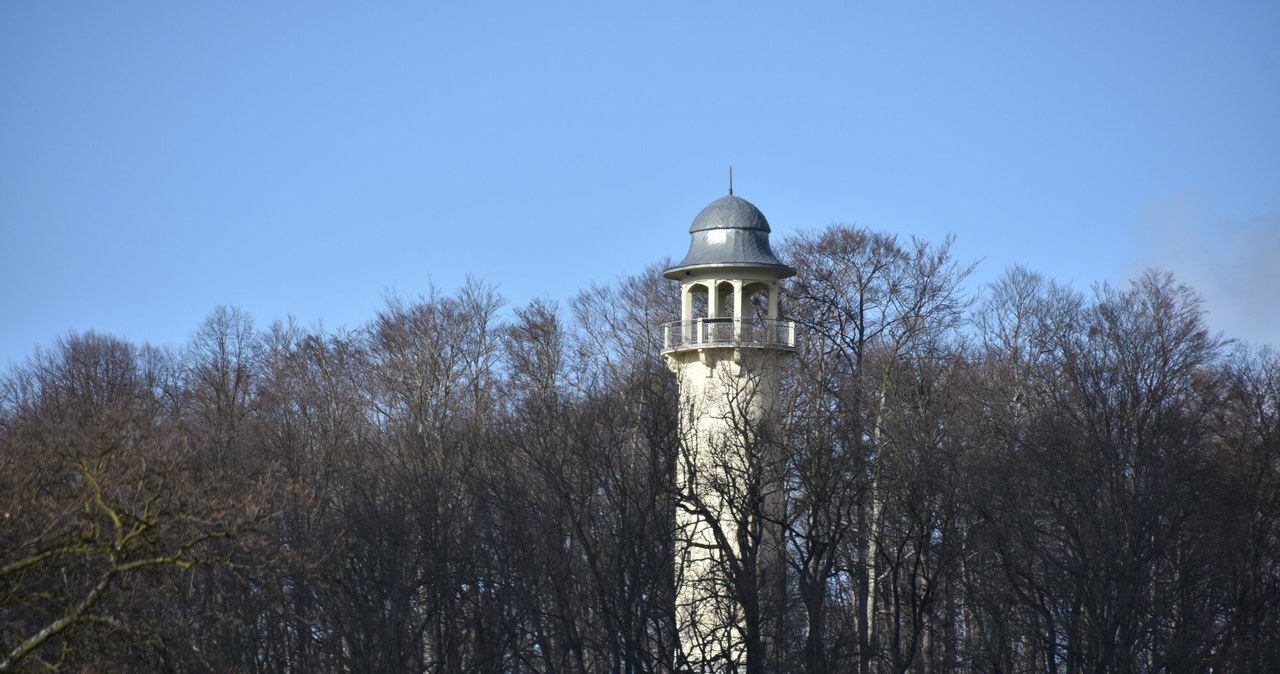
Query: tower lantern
pixel 728 350
pixel 729 258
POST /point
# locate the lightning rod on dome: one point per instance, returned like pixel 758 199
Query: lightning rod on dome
pixel 731 180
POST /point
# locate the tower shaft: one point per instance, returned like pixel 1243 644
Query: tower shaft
pixel 730 511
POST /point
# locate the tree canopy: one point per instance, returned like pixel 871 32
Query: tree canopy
pixel 1031 479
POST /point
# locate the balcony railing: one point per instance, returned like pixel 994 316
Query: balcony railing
pixel 711 332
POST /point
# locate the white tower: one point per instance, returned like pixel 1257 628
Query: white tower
pixel 728 350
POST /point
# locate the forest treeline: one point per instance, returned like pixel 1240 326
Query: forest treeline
pixel 1034 479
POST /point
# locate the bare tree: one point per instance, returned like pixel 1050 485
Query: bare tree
pixel 870 307
pixel 1241 537
pixel 1110 478
pixel 101 510
pixel 221 363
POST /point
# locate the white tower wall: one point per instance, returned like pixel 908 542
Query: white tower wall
pixel 729 520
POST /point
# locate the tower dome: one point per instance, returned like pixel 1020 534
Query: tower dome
pixel 729 232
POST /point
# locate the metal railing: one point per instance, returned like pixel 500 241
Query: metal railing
pixel 710 332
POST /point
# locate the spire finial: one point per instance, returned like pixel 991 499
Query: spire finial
pixel 730 179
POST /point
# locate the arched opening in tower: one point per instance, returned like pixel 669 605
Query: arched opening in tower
pixel 757 305
pixel 698 295
pixel 725 300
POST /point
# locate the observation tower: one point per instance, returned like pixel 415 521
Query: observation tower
pixel 728 351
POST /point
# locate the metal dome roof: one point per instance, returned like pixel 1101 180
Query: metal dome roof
pixel 729 232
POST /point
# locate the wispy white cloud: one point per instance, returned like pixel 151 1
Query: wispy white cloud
pixel 1234 263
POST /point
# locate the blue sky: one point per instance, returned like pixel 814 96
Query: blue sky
pixel 158 159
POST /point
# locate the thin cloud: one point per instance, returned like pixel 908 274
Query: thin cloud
pixel 1233 263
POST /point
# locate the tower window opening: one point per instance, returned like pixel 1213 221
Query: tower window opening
pixel 726 301
pixel 698 295
pixel 757 304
